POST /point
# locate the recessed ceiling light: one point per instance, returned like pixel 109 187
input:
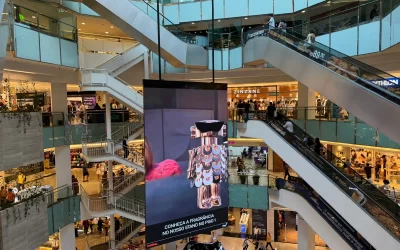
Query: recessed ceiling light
pixel 112 27
pixel 246 18
pixel 303 11
pixel 33 17
pixel 106 32
pixel 79 29
pixel 192 23
pixel 83 23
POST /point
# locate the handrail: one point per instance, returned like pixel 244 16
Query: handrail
pixel 322 51
pixel 352 178
pixel 123 52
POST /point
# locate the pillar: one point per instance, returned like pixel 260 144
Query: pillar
pixel 271 223
pixel 306 99
pixel 146 64
pixel 59 103
pixel 4 35
pixel 110 171
pixel 306 235
pixel 270 159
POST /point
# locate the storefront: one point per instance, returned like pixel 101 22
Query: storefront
pixel 241 223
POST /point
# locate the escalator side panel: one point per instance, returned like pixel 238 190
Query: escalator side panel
pixel 351 211
pixel 129 18
pixel 366 105
pixel 318 224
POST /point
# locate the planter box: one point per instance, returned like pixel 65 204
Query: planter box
pixel 22 139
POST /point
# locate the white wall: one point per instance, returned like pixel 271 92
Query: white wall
pixel 87 47
pixel 21 137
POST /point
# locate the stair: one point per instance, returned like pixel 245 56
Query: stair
pixel 123 184
pixel 97 150
pixel 103 80
pixel 113 204
pixel 128 232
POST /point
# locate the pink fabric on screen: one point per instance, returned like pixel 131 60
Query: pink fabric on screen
pixel 163 169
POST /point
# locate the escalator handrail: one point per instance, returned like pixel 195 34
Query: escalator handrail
pixel 337 171
pixel 330 209
pixel 373 88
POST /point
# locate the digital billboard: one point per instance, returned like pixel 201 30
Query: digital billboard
pixel 185 159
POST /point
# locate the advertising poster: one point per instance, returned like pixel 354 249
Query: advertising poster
pixel 185 159
pixel 259 220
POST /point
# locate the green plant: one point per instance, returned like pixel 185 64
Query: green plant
pixel 243 178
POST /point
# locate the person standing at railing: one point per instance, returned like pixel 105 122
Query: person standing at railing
pixel 271 22
pixel 85 172
pixel 282 25
pixel 125 147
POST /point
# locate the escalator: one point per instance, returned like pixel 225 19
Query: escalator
pixel 360 88
pixel 299 196
pixel 367 209
pixel 176 47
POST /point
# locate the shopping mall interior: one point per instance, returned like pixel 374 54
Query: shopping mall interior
pixel 199 124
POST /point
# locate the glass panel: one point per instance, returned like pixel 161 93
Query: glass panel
pixel 172 13
pixel 368 41
pixel 72 5
pixel 218 9
pixel 299 4
pixel 237 195
pixel 48 137
pixel 283 6
pixel 312 2
pixel 48 25
pixel 87 11
pixel 27 17
pixel 50 49
pixel 328 131
pixel 395 30
pixel 27 42
pixel 59 136
pixel 345 132
pixel 235 58
pixel 386 142
pixel 369 12
pixel 365 134
pixel 189 12
pixel 69 53
pixel 260 7
pixel 258 197
pixel 68 32
pixel 312 128
pixel 236 8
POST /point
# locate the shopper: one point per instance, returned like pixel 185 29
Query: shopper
pixel 117 224
pixel 256 231
pixel 317 146
pixel 85 224
pixel 121 172
pixel 21 179
pixel 377 168
pixel 76 229
pixel 271 22
pixel 256 244
pixel 98 172
pixel 282 26
pixel 100 225
pixel 85 173
pixel 286 169
pixel 289 126
pixel 310 38
pixel 75 185
pixel 271 111
pixel 269 240
pixel 240 108
pixel 104 178
pixel 246 243
pixel 91 225
pixel 3 195
pixel 10 196
pixel 368 172
pixel 106 225
pixel 261 246
pixel 374 12
pixel 125 146
pixel 384 166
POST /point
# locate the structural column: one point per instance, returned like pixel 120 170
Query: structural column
pixel 59 103
pixel 110 169
pixel 306 99
pixel 270 159
pixel 306 235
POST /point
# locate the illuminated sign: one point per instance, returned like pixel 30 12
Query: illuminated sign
pixel 246 91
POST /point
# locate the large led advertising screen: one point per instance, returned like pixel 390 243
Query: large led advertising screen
pixel 185 159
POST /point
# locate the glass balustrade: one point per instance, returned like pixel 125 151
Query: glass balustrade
pixel 45 39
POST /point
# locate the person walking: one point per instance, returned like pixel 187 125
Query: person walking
pixel 271 22
pixel 106 225
pixel 256 232
pixel 378 165
pixel 384 166
pixel 100 225
pixel 117 224
pixel 85 172
pixel 21 179
pixel 3 195
pixel 125 146
pixel 269 240
pixel 256 244
pixel 98 172
pixel 86 225
pixel 91 225
pixel 261 246
pixel 271 111
pixel 246 243
pixel 75 185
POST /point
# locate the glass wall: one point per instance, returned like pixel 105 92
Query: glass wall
pixel 45 39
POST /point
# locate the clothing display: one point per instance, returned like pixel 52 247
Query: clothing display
pixel 207 163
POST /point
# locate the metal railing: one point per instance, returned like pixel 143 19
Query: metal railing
pixel 113 202
pixel 120 54
pixel 252 179
pixel 131 227
pixel 120 183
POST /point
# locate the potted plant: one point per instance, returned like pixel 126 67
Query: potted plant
pixel 243 178
pixel 256 179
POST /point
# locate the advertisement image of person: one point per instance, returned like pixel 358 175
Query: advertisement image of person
pixel 160 170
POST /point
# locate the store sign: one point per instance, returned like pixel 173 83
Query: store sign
pixel 246 91
pixel 388 82
pixel 325 211
pixel 186 171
